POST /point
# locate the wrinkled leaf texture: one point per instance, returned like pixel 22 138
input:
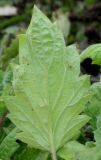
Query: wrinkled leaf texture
pixel 49 93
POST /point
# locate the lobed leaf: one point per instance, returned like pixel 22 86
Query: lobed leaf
pixel 49 94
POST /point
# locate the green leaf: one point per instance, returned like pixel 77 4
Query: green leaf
pixel 9 53
pixel 8 145
pixel 31 154
pixel 66 153
pixel 62 21
pixel 49 94
pixel 1 79
pixel 77 151
pixel 93 52
pixel 97 132
pixel 91 150
pixel 2 135
pixel 5 88
pixel 94 105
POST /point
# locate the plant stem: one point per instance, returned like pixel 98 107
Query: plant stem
pixel 54 157
pixel 52 145
pixel 53 150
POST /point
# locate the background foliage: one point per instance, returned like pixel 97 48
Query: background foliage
pixel 80 23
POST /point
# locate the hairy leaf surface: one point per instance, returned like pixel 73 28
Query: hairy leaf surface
pixel 49 94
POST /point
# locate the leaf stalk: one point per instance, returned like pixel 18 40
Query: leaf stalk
pixel 53 150
pixel 54 157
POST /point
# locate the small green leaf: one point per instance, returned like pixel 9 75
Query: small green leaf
pixel 93 52
pixel 62 21
pixel 91 150
pixel 66 154
pixel 31 154
pixel 94 105
pixel 9 145
pixel 77 151
pixel 9 53
pixel 97 132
